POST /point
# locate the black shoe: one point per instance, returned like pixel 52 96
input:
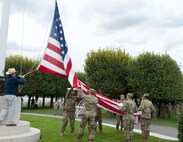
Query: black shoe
pixel 12 124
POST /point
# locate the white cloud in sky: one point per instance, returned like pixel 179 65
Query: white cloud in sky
pixel 136 26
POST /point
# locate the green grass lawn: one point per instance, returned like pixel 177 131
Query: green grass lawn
pixel 50 131
pixel 160 121
pixel 40 110
pixel 165 122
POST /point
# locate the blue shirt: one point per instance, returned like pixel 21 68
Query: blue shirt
pixel 11 84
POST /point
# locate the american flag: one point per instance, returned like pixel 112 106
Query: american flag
pixel 57 61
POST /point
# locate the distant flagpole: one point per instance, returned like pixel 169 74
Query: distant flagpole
pixel 4 22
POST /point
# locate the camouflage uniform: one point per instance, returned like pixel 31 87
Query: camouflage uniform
pixel 98 119
pixel 88 116
pixel 120 117
pixel 129 108
pixel 69 113
pixel 147 108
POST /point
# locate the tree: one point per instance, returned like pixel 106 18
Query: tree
pixel 158 75
pixel 107 71
pixel 38 84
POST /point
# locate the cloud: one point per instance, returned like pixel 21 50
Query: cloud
pixel 40 10
pixel 115 15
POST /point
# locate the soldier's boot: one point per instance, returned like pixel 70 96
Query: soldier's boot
pixel 91 140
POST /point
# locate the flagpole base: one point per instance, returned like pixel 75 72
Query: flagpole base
pixel 20 133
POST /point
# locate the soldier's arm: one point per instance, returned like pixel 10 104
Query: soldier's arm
pixel 124 107
pixel 141 107
pixel 67 96
pixel 68 93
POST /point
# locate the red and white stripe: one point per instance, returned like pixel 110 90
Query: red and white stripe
pixel 52 61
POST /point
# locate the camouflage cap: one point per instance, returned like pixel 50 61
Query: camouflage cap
pixel 130 95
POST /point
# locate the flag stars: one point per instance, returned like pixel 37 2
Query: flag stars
pixel 63 52
pixel 62 45
pixel 55 34
pixel 56 27
pixel 57 19
pixel 61 32
pixel 61 38
pixel 60 25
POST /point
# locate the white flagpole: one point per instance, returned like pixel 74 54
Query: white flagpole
pixel 4 22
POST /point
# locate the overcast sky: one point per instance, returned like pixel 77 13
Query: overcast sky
pixel 134 25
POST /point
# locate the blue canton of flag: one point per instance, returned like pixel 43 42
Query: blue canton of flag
pixel 57 32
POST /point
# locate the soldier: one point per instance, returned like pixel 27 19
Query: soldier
pixel 69 113
pixel 178 110
pixel 147 108
pixel 120 117
pixel 129 108
pixel 98 119
pixel 89 114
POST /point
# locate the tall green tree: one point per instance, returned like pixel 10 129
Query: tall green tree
pixel 158 75
pixel 107 71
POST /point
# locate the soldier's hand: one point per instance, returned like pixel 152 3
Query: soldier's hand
pixel 120 106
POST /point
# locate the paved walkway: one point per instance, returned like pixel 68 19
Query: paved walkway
pixel 170 132
pixel 164 132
